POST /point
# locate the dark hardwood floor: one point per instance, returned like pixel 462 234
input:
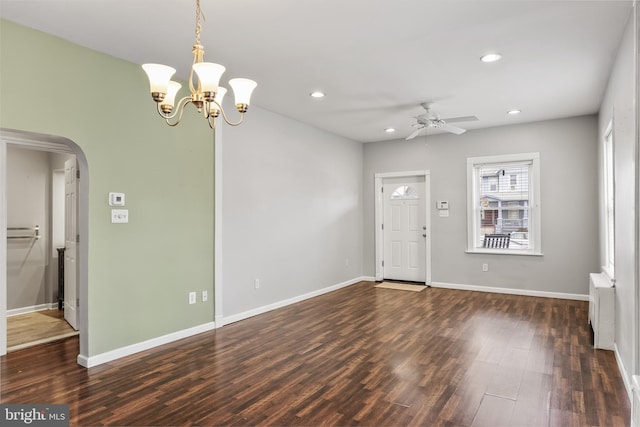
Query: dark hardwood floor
pixel 357 356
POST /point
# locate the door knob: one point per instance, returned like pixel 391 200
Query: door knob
pixel 424 227
pixel 424 235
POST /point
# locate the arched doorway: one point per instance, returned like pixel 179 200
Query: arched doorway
pixel 53 144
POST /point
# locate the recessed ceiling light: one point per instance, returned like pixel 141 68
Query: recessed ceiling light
pixel 389 130
pixel 317 94
pixel 491 57
pixel 513 112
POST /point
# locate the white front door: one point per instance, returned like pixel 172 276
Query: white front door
pixel 404 228
pixel 70 231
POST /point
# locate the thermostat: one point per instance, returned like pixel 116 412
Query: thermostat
pixel 116 199
pixel 442 205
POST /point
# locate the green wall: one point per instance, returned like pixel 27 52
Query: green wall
pixel 139 274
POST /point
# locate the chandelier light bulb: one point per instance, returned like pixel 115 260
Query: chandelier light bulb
pixel 170 99
pixel 209 75
pixel 242 89
pixel 214 107
pixel 220 94
pixel 159 76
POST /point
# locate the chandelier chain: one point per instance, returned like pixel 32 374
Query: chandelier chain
pixel 199 14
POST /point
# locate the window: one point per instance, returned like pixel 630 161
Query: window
pixel 504 199
pixel 609 203
pixel 404 192
pixel 493 183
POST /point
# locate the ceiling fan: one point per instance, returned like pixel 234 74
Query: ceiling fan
pixel 430 120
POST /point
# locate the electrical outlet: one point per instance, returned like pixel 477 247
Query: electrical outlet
pixel 192 297
pixel 346 262
pixel 256 283
pixel 485 267
pixel 205 296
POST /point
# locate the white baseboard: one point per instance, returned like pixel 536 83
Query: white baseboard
pixel 635 402
pixel 623 372
pixel 260 310
pixel 512 291
pixel 99 359
pixel 218 320
pixel 32 309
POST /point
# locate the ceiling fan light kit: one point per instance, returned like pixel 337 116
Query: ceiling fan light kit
pixel 206 93
pixel 433 121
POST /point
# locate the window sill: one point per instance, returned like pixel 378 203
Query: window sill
pixel 503 252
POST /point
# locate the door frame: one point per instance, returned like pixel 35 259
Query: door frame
pixel 379 218
pixel 55 144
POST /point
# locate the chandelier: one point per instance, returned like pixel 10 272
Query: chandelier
pixel 206 94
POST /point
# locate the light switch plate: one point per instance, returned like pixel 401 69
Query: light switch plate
pixel 116 199
pixel 119 216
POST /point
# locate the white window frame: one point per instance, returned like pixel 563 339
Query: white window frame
pixel 608 168
pixel 473 220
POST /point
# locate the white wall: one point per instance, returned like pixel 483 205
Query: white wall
pixel 619 105
pixel 292 211
pixel 569 203
pixel 28 183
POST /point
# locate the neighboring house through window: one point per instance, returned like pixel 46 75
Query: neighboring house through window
pixel 504 199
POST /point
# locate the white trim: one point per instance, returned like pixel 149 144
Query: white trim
pixel 378 218
pixel 31 142
pixel 623 373
pixel 635 401
pixel 378 232
pixel 260 310
pixel 3 247
pixel 98 359
pixel 503 252
pixel 608 130
pixel 401 174
pixel 217 227
pixel 511 291
pixel 32 309
pixel 607 272
pixel 608 170
pixel 635 344
pixel 535 221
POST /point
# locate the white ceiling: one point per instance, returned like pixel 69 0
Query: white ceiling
pixel 376 60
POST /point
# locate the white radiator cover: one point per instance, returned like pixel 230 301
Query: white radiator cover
pixel 602 310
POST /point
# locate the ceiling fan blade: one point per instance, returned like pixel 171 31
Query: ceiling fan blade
pixel 452 129
pixel 461 119
pixel 414 133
